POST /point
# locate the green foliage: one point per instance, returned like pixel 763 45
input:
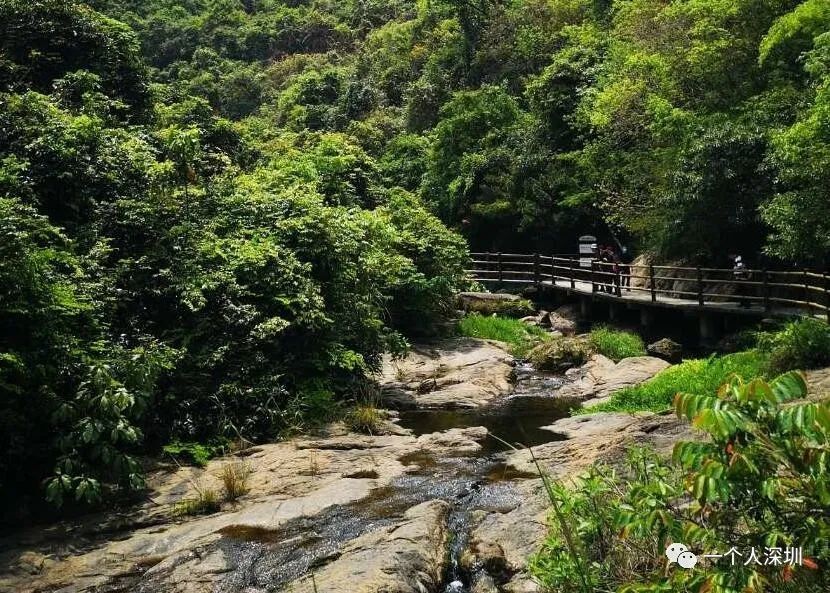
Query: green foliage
pixel 561 353
pixel 197 454
pixel 800 345
pixel 171 276
pixel 759 481
pixel 692 376
pixel 616 344
pixel 520 336
pixel 43 41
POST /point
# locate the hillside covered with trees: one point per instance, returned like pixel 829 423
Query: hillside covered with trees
pixel 216 215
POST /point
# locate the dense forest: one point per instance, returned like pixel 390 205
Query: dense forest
pixel 218 214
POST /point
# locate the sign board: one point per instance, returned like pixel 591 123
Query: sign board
pixel 587 250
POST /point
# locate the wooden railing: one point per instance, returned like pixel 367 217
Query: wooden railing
pixel 805 290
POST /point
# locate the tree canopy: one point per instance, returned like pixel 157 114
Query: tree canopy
pixel 218 214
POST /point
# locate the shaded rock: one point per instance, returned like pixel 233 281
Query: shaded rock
pixel 407 557
pixel 484 583
pixel 488 303
pixel 570 312
pixel 561 324
pixel 466 298
pixel 667 349
pixel 457 373
pixel 560 354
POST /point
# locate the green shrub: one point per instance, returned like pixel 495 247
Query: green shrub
pixel 701 375
pixel 802 344
pixel 520 336
pixel 761 480
pixel 561 353
pixel 197 454
pixel 616 344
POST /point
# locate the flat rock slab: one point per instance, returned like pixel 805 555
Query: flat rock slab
pixel 289 480
pixel 457 373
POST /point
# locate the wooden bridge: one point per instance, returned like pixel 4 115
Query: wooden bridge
pixel 700 290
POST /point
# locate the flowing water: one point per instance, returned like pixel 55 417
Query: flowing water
pixel 267 560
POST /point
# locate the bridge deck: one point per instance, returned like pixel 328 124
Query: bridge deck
pixel 718 290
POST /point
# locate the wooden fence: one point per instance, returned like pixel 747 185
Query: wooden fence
pixel 804 290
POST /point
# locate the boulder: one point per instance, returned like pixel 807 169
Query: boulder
pixel 561 324
pixel 456 373
pixel 600 377
pixel 488 303
pixel 560 354
pixel 667 349
pixel 469 298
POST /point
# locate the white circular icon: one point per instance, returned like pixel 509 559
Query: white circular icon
pixel 674 550
pixel 687 560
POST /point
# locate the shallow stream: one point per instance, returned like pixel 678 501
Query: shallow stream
pixel 267 560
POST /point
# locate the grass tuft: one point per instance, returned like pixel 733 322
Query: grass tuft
pixel 365 418
pixel 616 344
pixel 520 336
pixel 234 476
pixel 205 502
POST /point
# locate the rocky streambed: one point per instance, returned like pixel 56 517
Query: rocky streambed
pixel 438 503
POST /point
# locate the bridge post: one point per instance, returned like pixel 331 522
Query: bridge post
pixel 826 297
pixel 806 289
pixel 574 262
pixel 699 286
pixel 536 277
pixel 652 284
pixel 766 289
pixel 593 277
pixel 498 256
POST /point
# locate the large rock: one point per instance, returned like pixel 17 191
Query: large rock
pixel 458 373
pixel 487 303
pixel 667 349
pixel 600 377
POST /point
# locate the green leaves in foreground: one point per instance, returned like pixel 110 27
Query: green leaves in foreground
pixel 761 479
